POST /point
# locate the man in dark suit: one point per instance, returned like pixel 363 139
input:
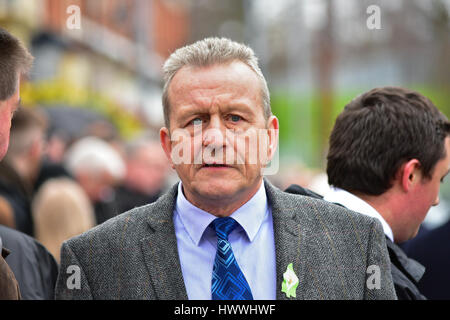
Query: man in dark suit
pixel 34 267
pixel 15 61
pixel 389 152
pixel 224 232
pixel 27 269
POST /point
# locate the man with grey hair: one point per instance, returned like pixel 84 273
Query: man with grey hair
pixel 223 232
pixel 98 167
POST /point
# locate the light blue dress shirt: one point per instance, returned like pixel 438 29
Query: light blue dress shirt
pixel 252 242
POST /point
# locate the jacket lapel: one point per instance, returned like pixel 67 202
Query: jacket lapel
pixel 160 251
pixel 289 241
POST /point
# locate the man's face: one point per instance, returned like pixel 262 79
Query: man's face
pixel 426 193
pixel 7 109
pixel 218 112
pixel 148 169
pixel 96 185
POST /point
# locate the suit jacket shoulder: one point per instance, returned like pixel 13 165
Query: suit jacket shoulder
pixel 321 215
pixel 336 250
pixel 131 256
pixel 135 256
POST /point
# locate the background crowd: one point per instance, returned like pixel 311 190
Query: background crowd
pixel 85 147
pixel 95 179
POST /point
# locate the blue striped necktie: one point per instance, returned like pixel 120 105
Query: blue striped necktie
pixel 228 281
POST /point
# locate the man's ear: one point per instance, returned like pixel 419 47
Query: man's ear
pixel 166 144
pixel 410 174
pixel 273 130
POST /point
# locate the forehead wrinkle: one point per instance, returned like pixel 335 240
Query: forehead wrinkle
pixel 204 99
pixel 196 95
pixel 196 105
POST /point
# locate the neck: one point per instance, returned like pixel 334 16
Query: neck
pixel 384 206
pixel 222 207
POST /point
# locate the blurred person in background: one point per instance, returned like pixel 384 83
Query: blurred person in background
pixel 52 165
pixel 297 174
pixel 389 152
pixel 98 168
pixel 102 129
pixel 27 270
pixel 20 168
pixel 146 174
pixel 57 143
pixel 61 210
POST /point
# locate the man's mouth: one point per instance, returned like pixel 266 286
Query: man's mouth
pixel 215 165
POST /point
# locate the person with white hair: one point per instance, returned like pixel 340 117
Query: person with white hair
pixel 97 167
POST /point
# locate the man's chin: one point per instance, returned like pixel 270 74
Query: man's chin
pixel 216 188
pixel 216 192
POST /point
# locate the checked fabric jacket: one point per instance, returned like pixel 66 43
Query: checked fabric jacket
pixel 134 255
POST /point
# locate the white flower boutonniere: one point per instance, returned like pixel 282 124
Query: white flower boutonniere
pixel 290 282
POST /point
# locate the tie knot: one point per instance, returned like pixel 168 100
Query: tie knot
pixel 224 226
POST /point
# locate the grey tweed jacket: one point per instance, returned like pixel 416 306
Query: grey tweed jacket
pixel 134 255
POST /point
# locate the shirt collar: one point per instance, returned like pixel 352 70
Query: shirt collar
pixel 250 216
pixel 354 203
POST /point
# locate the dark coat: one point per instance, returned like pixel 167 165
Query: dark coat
pixel 406 272
pixel 34 267
pixel 135 255
pixel 432 249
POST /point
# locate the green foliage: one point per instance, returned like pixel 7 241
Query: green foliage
pixel 300 119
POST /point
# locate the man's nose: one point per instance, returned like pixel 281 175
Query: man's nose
pixel 213 138
pixel 214 133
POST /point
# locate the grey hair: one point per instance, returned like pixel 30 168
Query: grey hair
pixel 208 52
pixel 95 156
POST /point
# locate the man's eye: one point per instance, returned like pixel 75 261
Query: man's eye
pixel 197 122
pixel 235 118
